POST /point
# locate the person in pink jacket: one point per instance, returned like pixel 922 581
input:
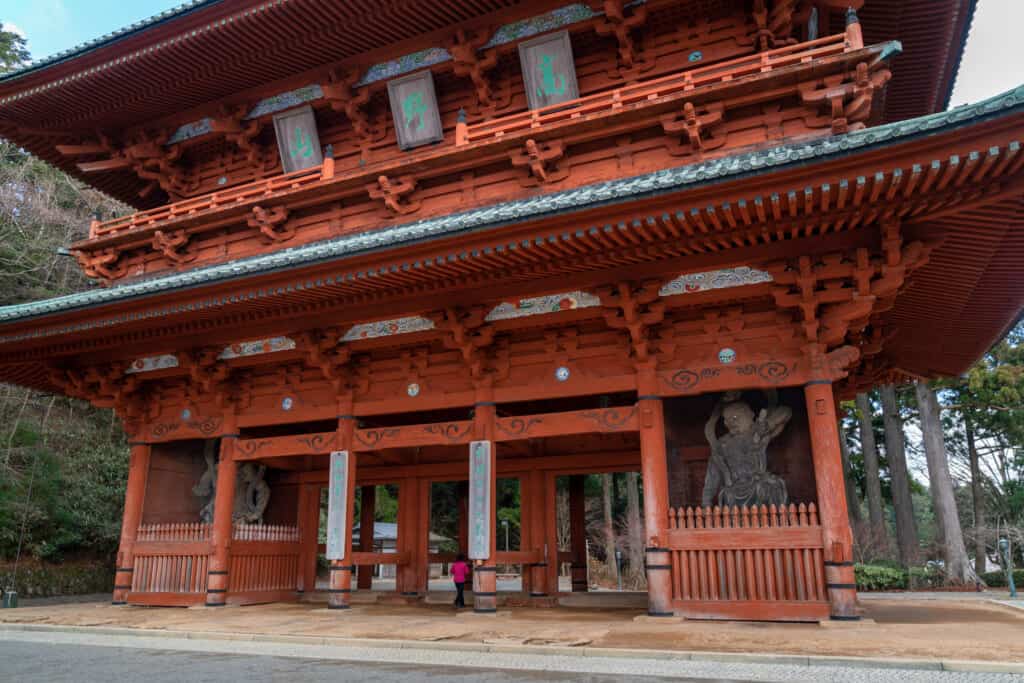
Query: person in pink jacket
pixel 460 572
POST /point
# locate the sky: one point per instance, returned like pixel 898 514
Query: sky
pixel 993 61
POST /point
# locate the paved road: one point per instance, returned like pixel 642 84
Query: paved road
pixel 31 662
pixel 85 657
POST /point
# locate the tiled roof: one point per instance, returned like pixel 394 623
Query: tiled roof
pixel 78 50
pixel 577 199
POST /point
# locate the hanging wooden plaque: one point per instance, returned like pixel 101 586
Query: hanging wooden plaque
pixel 549 72
pixel 414 110
pixel 480 500
pixel 297 139
pixel 337 505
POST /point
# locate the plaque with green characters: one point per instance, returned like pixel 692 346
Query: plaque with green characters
pixel 549 72
pixel 297 140
pixel 414 109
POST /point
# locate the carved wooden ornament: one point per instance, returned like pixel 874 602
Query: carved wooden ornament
pixel 414 108
pixel 337 505
pixel 297 139
pixel 549 72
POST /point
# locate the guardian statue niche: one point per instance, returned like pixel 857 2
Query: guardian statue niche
pixel 252 494
pixel 738 469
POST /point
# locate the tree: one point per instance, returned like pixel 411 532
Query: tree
pixel 634 526
pixel 895 450
pixel 852 500
pixel 872 479
pixel 13 51
pixel 957 567
pixel 609 526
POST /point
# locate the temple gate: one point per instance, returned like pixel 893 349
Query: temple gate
pixel 522 240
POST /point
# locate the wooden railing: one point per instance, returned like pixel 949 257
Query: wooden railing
pixel 171 562
pixel 197 531
pixel 748 563
pixel 266 532
pixel 214 200
pixel 639 93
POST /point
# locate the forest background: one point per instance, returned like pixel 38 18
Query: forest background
pixel 935 472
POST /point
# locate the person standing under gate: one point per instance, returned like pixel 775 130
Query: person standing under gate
pixel 460 572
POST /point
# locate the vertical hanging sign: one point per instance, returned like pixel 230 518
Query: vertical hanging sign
pixel 549 72
pixel 480 500
pixel 297 139
pixel 337 505
pixel 413 103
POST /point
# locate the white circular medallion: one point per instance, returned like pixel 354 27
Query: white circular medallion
pixel 287 402
pixel 562 373
pixel 413 389
pixel 726 356
pixel 186 414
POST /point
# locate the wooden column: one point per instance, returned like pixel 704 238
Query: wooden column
pixel 578 532
pixel 340 592
pixel 134 499
pixel 367 509
pixel 654 471
pixel 462 502
pixel 526 541
pixel 408 505
pixel 828 479
pixel 537 502
pixel 551 533
pixel 485 572
pixel 223 509
pixel 309 533
pixel 422 545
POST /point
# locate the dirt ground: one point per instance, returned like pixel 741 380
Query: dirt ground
pixel 904 628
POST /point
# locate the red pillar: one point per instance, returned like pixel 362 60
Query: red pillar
pixel 368 505
pixel 654 471
pixel 485 573
pixel 408 505
pixel 309 532
pixel 551 533
pixel 134 498
pixel 223 508
pixel 340 592
pixel 828 479
pixel 422 545
pixel 578 532
pixel 538 514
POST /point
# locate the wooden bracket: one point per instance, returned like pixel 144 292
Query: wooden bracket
pixel 848 99
pixel 232 125
pixel 468 62
pixel 391 193
pixel 272 223
pixel 541 161
pixel 103 263
pixel 615 22
pixel 466 331
pixel 693 127
pixel 636 309
pixel 174 246
pixel 341 94
pixel 324 352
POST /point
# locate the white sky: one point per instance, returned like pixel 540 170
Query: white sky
pixel 994 57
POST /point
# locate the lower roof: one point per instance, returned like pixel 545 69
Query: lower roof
pixel 939 334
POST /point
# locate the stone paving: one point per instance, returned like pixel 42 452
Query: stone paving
pixel 628 665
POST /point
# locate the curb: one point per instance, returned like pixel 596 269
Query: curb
pixel 962 666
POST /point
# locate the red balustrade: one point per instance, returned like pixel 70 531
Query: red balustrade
pixel 748 563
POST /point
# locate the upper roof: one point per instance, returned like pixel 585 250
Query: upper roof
pixel 161 67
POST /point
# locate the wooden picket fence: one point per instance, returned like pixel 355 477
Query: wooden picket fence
pixel 171 562
pixel 748 563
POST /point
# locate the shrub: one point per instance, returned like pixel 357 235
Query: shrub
pixel 871 577
pixel 40 580
pixel 997 579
